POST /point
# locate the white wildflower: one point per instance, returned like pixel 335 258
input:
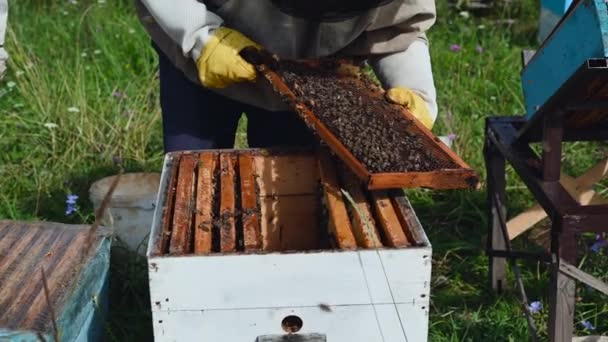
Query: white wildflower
pixel 51 125
pixel 97 52
pixel 73 110
pixel 464 14
pixel 11 84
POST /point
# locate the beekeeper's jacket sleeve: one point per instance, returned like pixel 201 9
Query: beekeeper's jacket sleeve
pixel 411 69
pixel 187 22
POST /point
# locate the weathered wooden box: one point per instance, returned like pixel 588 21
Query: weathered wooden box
pixel 252 245
pixel 77 282
pixel 582 34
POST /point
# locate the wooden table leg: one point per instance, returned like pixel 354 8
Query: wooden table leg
pixel 495 164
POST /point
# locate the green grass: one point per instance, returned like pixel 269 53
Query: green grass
pixel 69 59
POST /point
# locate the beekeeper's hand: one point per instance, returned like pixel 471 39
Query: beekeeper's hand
pixel 413 102
pixel 220 64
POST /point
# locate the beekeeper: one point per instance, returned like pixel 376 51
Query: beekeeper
pixel 3 24
pixel 205 85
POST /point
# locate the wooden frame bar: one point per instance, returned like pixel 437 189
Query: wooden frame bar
pixel 407 218
pixel 167 216
pixel 461 177
pixel 227 203
pixel 250 211
pixel 184 207
pixel 363 224
pixel 339 223
pixel 205 194
pixel 389 221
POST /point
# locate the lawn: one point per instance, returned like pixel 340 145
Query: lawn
pixel 82 89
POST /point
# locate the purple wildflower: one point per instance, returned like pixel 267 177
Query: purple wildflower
pixel 455 48
pixel 535 307
pixel 451 137
pixel 600 243
pixel 479 49
pixel 117 94
pixel 587 325
pixel 71 204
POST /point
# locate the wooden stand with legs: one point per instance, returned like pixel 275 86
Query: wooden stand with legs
pixel 570 204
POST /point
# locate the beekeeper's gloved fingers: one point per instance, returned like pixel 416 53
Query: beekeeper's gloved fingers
pixel 413 102
pixel 220 64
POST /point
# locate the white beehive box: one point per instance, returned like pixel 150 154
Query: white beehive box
pixel 287 275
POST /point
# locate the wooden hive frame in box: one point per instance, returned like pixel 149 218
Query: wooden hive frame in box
pixel 241 201
pixel 244 240
pixel 458 176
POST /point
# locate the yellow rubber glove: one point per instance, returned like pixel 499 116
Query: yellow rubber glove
pixel 413 102
pixel 220 64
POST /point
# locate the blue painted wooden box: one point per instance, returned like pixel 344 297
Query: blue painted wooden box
pixel 582 34
pixel 78 286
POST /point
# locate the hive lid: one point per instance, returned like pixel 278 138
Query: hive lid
pixel 442 169
pixel 25 249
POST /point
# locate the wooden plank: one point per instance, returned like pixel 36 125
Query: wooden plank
pixel 181 236
pixel 580 188
pixel 167 219
pixel 438 180
pixel 407 217
pixel 395 236
pixel 577 274
pixel 364 227
pixel 338 216
pixel 280 175
pixel 561 307
pixel 227 203
pixel 496 171
pixel 26 247
pixel 250 215
pixel 205 193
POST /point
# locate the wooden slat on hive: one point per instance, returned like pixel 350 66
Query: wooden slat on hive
pixel 227 203
pixel 27 248
pixel 407 218
pixel 250 215
pixel 363 223
pixel 181 236
pixel 167 218
pixel 339 223
pixel 205 193
pixel 389 221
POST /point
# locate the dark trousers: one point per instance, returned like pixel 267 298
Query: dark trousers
pixel 195 118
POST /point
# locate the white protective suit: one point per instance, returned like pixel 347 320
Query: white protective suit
pixel 391 34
